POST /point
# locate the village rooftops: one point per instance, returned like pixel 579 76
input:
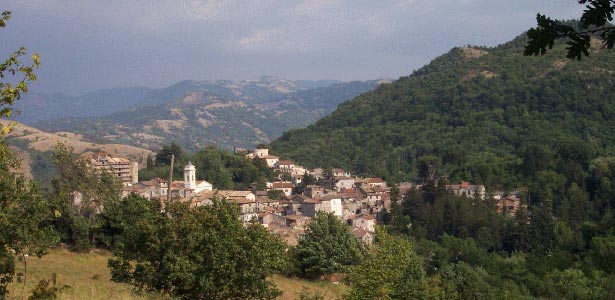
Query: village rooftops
pixel 373 180
pixel 206 194
pixel 263 199
pixel 365 216
pixel 179 185
pixel 330 197
pixel 153 182
pixel 358 232
pixel 282 185
pixel 240 201
pixel 285 163
pixel 463 185
pixel 105 157
pixel 296 217
pixel 228 193
pixel 304 199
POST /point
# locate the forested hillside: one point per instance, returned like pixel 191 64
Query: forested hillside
pixel 489 115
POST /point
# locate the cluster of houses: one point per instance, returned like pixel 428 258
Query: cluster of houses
pixel 360 202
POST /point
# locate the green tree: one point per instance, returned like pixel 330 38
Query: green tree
pixel 602 253
pixel 14 77
pixel 575 207
pixel 163 156
pixel 594 22
pixel 395 218
pixel 462 282
pixel 150 162
pixel 390 270
pixel 569 284
pixel 328 247
pixel 428 167
pixel 24 219
pixel 24 214
pixel 194 253
pixel 80 193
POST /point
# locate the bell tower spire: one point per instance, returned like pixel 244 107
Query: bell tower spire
pixel 190 176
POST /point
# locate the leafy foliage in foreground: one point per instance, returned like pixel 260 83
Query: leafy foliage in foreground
pixel 24 221
pixel 79 194
pixel 594 23
pixel 390 270
pixel 193 253
pixel 24 213
pixel 328 247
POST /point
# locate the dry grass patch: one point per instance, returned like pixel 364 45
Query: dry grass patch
pixel 292 288
pixel 44 141
pixel 85 273
pixel 89 278
pixel 471 53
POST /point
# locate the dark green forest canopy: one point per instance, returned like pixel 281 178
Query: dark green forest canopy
pixel 491 114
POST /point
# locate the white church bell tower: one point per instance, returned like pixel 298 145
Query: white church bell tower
pixel 190 176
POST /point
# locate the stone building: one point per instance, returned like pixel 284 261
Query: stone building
pixel 127 171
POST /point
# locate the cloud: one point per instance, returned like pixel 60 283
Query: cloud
pixel 258 39
pixel 90 44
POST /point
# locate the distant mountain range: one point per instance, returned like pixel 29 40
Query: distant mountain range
pixel 36 107
pixel 192 113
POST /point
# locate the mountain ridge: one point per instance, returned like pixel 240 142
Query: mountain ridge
pixel 195 115
pixel 36 107
pixel 477 109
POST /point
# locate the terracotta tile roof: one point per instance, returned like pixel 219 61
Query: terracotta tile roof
pixel 240 200
pixel 282 185
pixel 206 194
pixel 374 180
pixel 358 232
pixel 265 199
pixel 330 197
pixel 365 217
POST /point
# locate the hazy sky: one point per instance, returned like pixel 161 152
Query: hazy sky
pixel 93 44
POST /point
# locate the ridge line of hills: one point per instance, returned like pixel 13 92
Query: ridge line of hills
pixel 488 115
pixel 195 114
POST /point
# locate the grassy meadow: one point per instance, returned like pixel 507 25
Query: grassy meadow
pixel 88 278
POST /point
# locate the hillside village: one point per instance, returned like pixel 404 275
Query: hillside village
pixel 282 208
